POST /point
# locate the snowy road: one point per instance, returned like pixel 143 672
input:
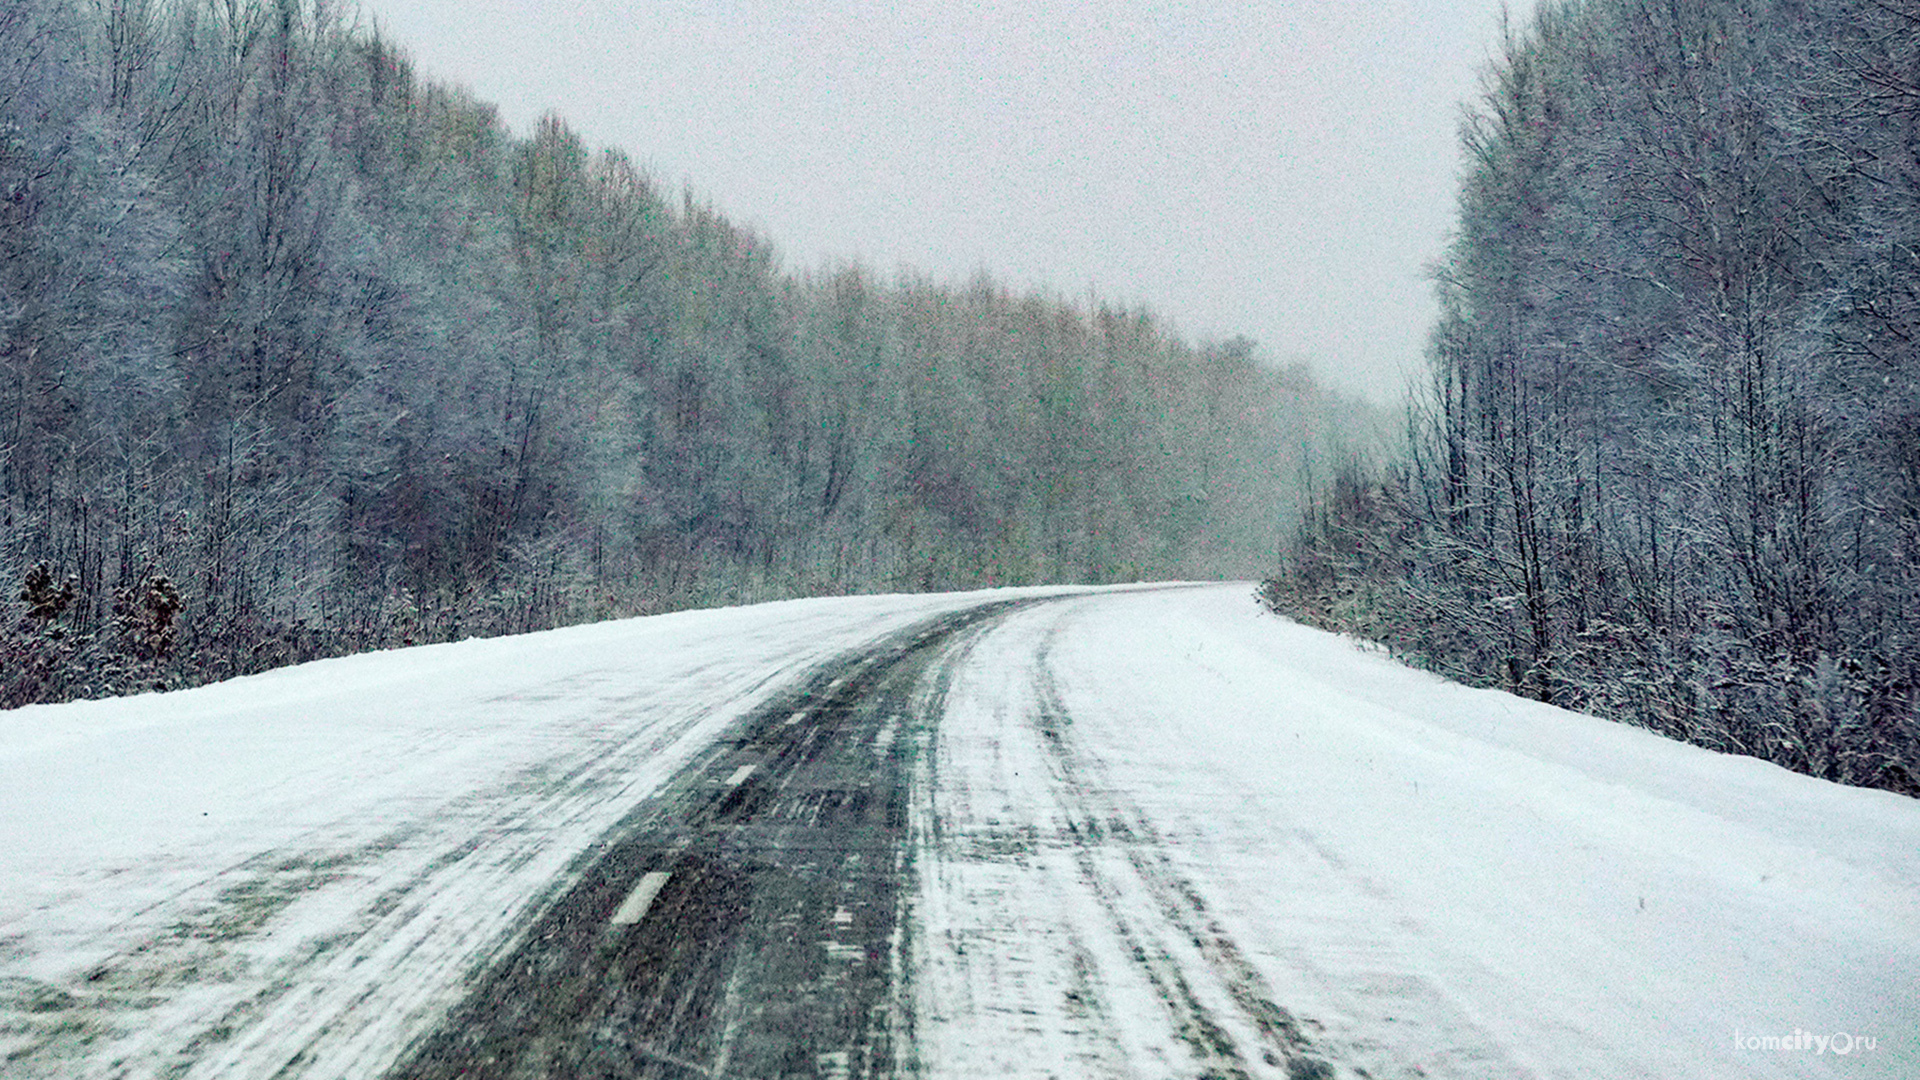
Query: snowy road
pixel 744 921
pixel 1116 833
pixel 1161 835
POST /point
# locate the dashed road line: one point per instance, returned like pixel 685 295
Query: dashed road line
pixel 641 898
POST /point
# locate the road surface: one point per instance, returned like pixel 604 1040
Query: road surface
pixel 748 919
pixel 1060 833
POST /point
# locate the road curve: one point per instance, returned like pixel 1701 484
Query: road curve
pixel 1116 833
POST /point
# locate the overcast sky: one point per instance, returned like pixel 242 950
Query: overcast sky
pixel 1279 170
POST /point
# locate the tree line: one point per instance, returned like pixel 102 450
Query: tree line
pixel 1668 466
pixel 301 353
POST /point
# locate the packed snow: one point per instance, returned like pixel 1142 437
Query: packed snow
pixel 1431 880
pixel 1160 833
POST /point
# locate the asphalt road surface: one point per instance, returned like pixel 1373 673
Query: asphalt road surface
pixel 748 919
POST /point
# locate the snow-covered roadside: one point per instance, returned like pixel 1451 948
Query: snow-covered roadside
pixel 1168 832
pixel 307 861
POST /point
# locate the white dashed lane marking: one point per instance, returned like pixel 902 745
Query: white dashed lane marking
pixel 641 898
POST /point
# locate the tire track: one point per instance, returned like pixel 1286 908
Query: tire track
pixel 1113 964
pixel 1122 965
pixel 1283 1040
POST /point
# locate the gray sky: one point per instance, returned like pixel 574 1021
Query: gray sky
pixel 1280 170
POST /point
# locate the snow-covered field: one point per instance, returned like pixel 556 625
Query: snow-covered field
pixel 1161 834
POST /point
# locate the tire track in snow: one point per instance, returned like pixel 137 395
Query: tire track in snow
pixel 1282 1040
pixel 1104 923
pixel 1359 1001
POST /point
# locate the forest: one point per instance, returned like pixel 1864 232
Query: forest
pixel 1667 468
pixel 302 353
